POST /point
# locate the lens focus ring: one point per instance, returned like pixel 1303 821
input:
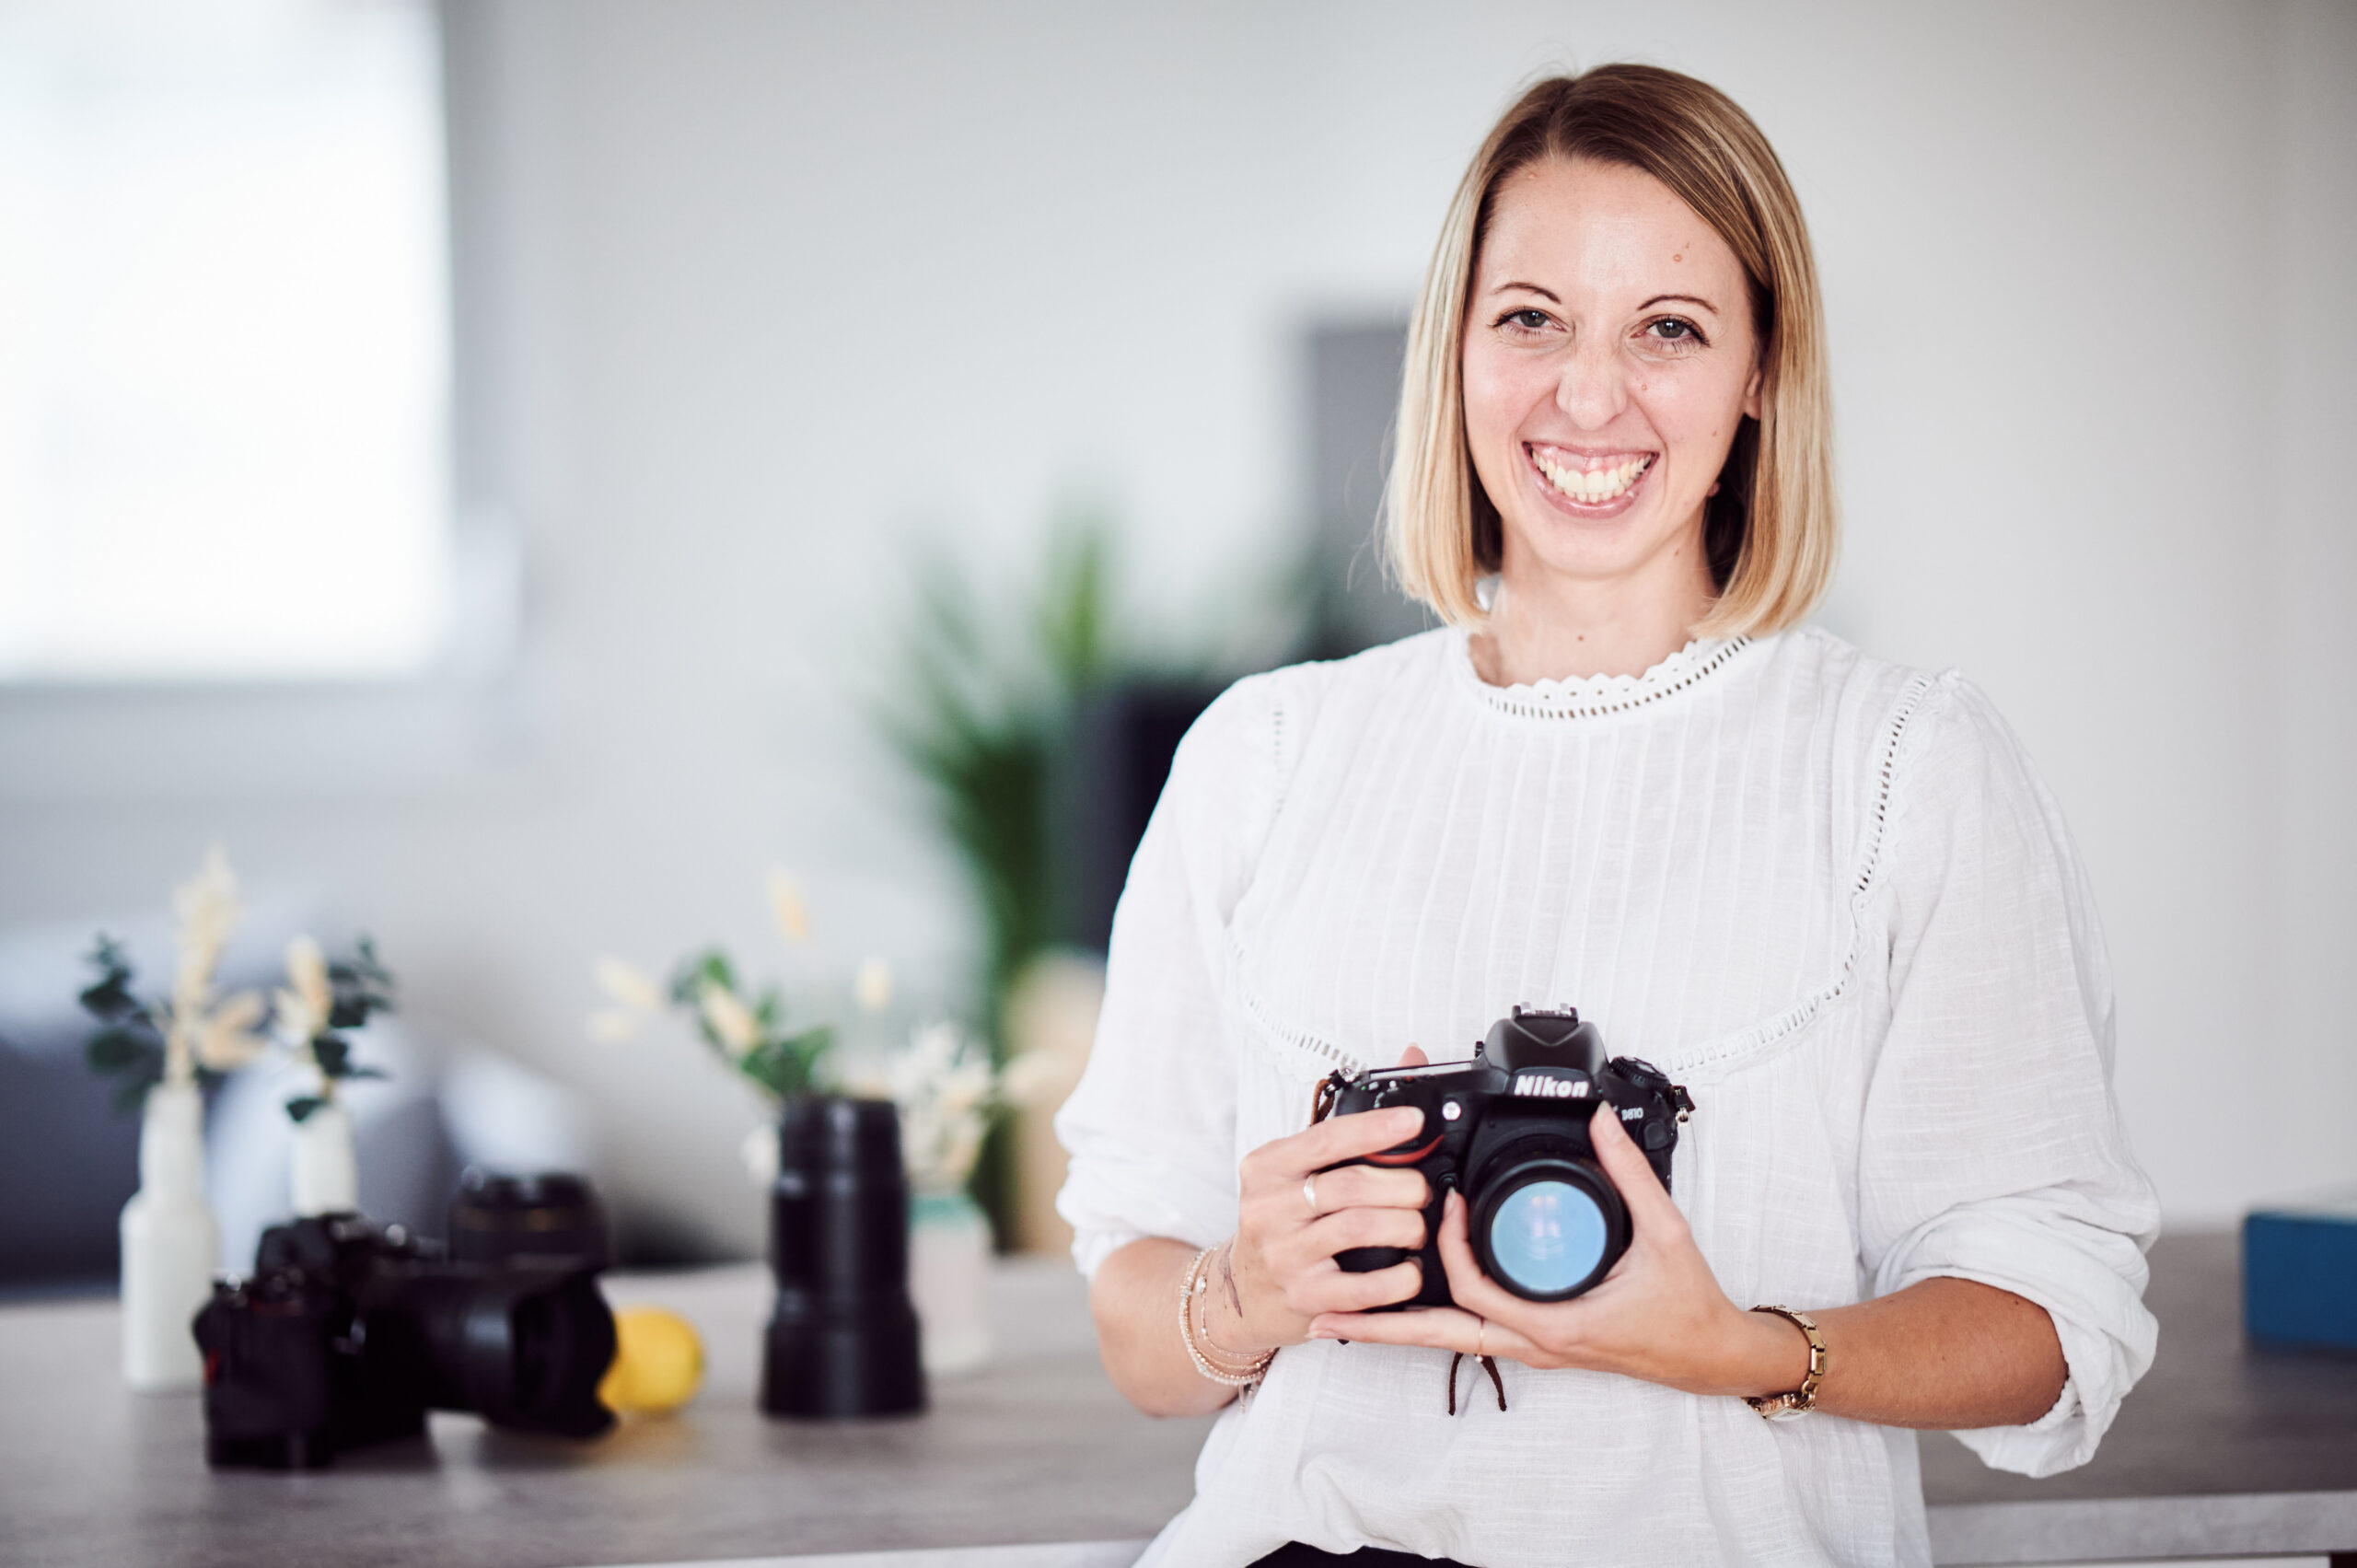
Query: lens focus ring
pixel 1548 1227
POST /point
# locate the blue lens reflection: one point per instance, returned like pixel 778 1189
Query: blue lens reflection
pixel 1547 1237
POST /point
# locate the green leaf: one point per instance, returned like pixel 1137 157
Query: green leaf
pixel 784 1066
pixel 114 1050
pixel 131 1053
pixel 698 969
pixel 334 1053
pixel 362 987
pixel 301 1105
pixel 1071 618
pixel 109 1000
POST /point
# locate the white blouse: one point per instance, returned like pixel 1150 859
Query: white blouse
pixel 1828 895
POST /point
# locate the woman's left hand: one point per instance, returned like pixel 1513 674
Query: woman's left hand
pixel 1659 1315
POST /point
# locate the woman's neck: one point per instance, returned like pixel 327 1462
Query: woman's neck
pixel 1548 626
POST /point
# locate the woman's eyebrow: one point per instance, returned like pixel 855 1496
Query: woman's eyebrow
pixel 1548 293
pixel 1686 298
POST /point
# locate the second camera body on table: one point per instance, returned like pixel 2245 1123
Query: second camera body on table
pixel 1509 1129
pixel 348 1332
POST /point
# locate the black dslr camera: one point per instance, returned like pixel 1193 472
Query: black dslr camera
pixel 347 1335
pixel 1509 1130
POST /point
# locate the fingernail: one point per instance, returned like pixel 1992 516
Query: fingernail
pixel 1319 1333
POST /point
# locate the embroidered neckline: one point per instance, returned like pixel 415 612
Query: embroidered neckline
pixel 1598 696
pixel 1900 738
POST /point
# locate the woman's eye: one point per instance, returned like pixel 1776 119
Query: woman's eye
pixel 1525 320
pixel 1670 329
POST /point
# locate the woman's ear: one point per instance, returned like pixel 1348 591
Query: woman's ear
pixel 1752 394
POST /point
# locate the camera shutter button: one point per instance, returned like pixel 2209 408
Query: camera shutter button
pixel 1451 1110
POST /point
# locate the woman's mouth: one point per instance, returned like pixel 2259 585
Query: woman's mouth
pixel 1587 482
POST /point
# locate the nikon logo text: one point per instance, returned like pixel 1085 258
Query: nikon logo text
pixel 1549 1088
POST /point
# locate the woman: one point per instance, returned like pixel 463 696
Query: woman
pixel 1826 895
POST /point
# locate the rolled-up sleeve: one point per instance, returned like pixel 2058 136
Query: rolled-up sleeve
pixel 1992 1148
pixel 1151 1129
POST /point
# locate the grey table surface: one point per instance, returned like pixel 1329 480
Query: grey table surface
pixel 2220 1451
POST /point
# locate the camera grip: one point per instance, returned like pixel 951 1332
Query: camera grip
pixel 1433 1291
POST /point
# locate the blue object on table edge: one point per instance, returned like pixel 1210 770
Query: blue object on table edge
pixel 2300 1273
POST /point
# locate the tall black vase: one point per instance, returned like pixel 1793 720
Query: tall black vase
pixel 842 1340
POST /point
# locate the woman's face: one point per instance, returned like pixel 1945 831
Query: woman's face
pixel 1610 359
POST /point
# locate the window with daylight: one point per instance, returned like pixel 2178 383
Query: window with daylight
pixel 224 339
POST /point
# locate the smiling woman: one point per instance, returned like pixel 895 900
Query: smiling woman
pixel 1825 899
pixel 1700 251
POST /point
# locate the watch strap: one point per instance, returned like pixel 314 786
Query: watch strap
pixel 1802 1400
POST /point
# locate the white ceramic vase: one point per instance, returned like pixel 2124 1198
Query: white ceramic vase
pixel 170 1242
pixel 949 1270
pixel 324 1176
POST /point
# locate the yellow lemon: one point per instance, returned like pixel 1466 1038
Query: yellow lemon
pixel 659 1361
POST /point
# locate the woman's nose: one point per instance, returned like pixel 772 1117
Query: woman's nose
pixel 1590 390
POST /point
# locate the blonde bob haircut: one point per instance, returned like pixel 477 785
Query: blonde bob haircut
pixel 1771 532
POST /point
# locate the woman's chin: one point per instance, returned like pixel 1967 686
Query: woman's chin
pixel 1587 545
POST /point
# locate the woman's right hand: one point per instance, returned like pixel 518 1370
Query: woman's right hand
pixel 1279 1271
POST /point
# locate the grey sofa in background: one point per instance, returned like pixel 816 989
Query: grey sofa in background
pixel 69 1161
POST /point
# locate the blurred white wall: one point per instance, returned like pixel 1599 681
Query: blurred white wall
pixel 755 297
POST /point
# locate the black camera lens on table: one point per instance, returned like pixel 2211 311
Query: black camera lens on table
pixel 842 1339
pixel 500 1214
pixel 1510 1130
pixel 348 1334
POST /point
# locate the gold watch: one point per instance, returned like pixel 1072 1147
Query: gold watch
pixel 1802 1400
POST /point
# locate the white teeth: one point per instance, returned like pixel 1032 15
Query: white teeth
pixel 1602 484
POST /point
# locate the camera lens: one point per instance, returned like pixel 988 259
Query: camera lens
pixel 498 1215
pixel 524 1343
pixel 1548 1228
pixel 842 1340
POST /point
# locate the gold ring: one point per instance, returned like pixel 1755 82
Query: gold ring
pixel 1481 1335
pixel 1309 1193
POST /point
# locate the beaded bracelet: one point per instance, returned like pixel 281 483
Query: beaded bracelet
pixel 1191 1288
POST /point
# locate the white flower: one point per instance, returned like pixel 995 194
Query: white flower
pixel 945 1087
pixel 307 967
pixel 307 1001
pixel 734 1022
pixel 628 984
pixel 228 1039
pixel 872 989
pixel 208 910
pixel 965 1088
pixel 786 906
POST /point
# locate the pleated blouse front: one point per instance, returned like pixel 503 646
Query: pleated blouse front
pixel 1826 894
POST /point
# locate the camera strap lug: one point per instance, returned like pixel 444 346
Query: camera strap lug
pixel 1329 1090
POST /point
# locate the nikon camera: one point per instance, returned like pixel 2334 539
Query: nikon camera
pixel 1509 1130
pixel 347 1334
